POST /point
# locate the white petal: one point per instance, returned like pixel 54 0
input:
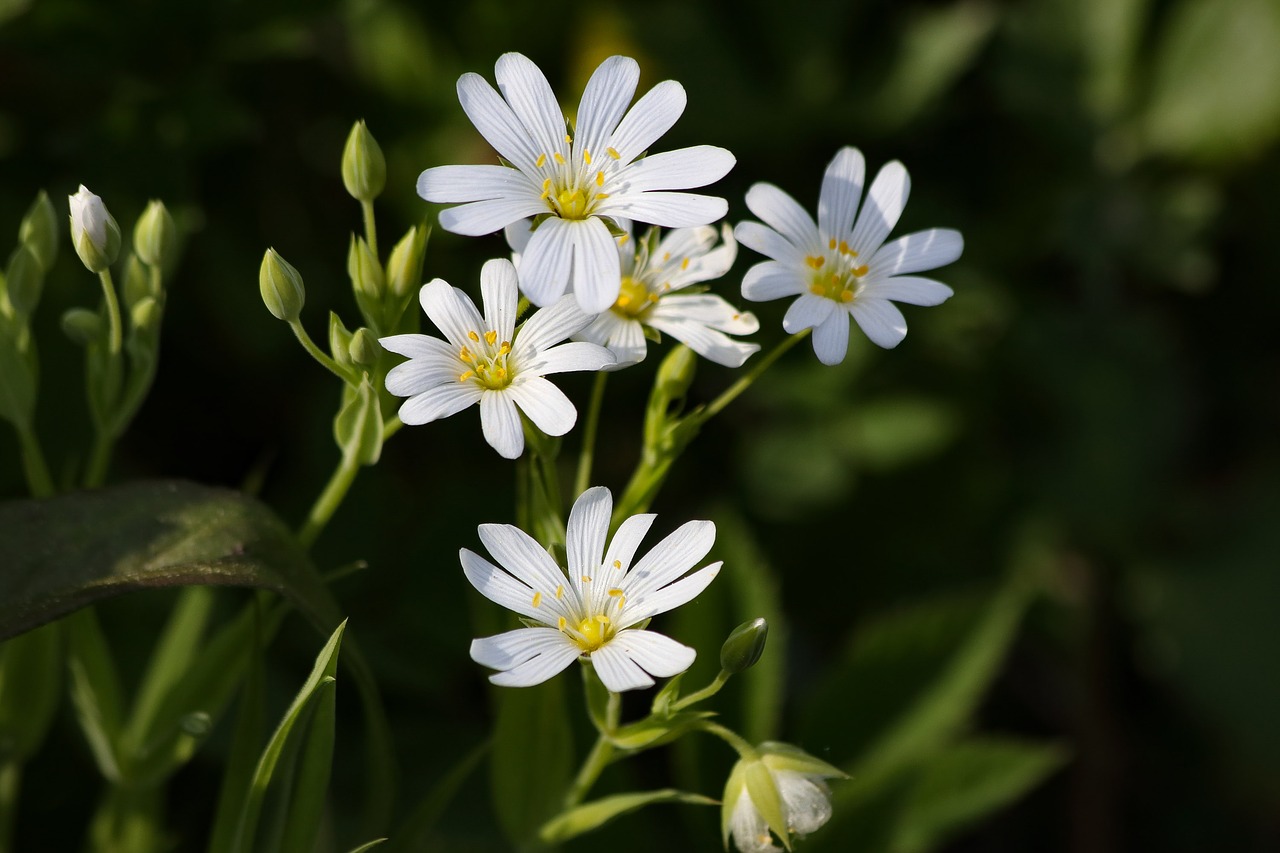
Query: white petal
pixel 509 650
pixel 568 358
pixel 708 310
pixel 681 169
pixel 771 280
pixel 771 244
pixel 500 293
pixel 586 529
pixel 841 189
pixel 449 184
pixel 451 310
pixel 493 117
pixel 672 557
pixel 707 342
pixel 707 266
pixel 501 424
pixel 618 671
pixel 667 598
pixel 923 250
pixel 617 560
pixel 831 338
pixel 624 338
pixel 500 587
pixel 544 404
pixel 419 374
pixel 546 262
pixel 548 327
pixel 669 210
pixel 651 117
pixel 419 346
pixel 597 278
pixel 784 214
pixel 750 832
pixel 686 242
pixel 909 289
pixel 485 217
pixel 518 235
pixel 880 321
pixel 539 669
pixel 807 312
pixel 657 654
pixel 885 201
pixel 521 555
pixel 526 89
pixel 604 100
pixel 442 401
pixel 808 803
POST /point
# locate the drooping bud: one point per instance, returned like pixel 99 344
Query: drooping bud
pixel 404 268
pixel 83 327
pixel 744 646
pixel 94 232
pixel 23 280
pixel 39 231
pixel 364 169
pixel 364 348
pixel 155 236
pixel 281 286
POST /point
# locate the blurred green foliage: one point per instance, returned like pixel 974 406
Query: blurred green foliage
pixel 1106 375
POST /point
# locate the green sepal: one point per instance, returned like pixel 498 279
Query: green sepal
pixel 367 281
pixel 364 167
pixel 763 789
pixel 652 731
pixel 665 697
pixel 651 334
pixel 358 426
pixel 39 230
pixel 590 816
pixel 23 281
pixel 155 236
pixel 95 692
pixel 616 231
pixel 339 340
pixel 137 282
pixel 17 383
pixel 784 756
pixel 734 787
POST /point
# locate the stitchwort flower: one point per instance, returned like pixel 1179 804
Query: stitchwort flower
pixel 486 360
pixel 654 272
pixel 782 788
pixel 591 610
pixel 570 183
pixel 841 267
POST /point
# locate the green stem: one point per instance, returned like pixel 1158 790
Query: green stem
pixel 586 457
pixel 590 771
pixel 731 393
pixel 705 693
pixel 99 459
pixel 10 785
pixel 730 737
pixel 330 499
pixel 320 355
pixel 391 427
pixel 115 329
pixel 39 481
pixel 370 228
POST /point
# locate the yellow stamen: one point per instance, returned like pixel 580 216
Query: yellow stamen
pixel 465 355
pixel 568 140
pixel 560 623
pixel 617 564
pixel 816 289
pixel 601 196
pixel 499 373
pixel 541 161
pixel 602 619
pixel 599 179
pixel 613 152
pixel 844 248
pixel 537 599
pixel 615 592
pixel 815 261
pixel 846 296
pixel 586 156
pixel 860 271
pixel 586 578
pixel 830 245
pixel 558 158
pixel 505 348
pixel 465 376
pixel 560 591
pixel 473 336
pixel 684 265
pixel 490 337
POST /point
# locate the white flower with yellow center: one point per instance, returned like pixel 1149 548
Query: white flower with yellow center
pixel 572 182
pixel 589 611
pixel 839 268
pixel 486 360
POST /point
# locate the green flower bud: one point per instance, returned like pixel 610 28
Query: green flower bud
pixel 83 327
pixel 365 271
pixel 675 374
pixel 137 281
pixel 364 348
pixel 39 231
pixel 358 427
pixel 364 169
pixel 744 646
pixel 281 286
pixel 24 279
pixel 94 232
pixel 145 314
pixel 155 236
pixel 339 340
pixel 404 268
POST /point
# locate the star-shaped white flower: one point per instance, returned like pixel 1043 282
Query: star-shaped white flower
pixel 486 360
pixel 653 274
pixel 840 268
pixel 574 181
pixel 591 610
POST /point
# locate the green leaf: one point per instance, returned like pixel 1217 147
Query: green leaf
pixel 302 824
pixel 654 731
pixel 17 381
pixel 415 831
pixel 367 845
pixel 62 553
pixel 967 781
pixel 30 686
pixel 238 774
pixel 95 692
pixel 589 816
pixel 532 757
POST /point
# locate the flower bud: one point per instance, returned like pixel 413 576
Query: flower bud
pixel 145 314
pixel 339 340
pixel 39 231
pixel 24 279
pixel 744 646
pixel 783 790
pixel 83 327
pixel 281 287
pixel 137 281
pixel 364 169
pixel 675 374
pixel 94 232
pixel 365 271
pixel 404 268
pixel 364 348
pixel 155 236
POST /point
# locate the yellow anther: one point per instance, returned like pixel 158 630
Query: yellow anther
pixel 846 296
pixel 465 376
pixel 653 297
pixel 737 316
pixel 617 564
pixel 844 248
pixel 473 336
pixel 830 245
pixel 568 140
pixel 666 256
pixel 560 591
pixel 465 355
pixel 613 152
pixel 615 592
pixel 817 289
pixel 602 619
pixel 586 578
pixel 505 348
pixel 499 373
pixel 600 196
pixel 860 271
pixel 540 162
pixel 586 156
pixel 559 159
pixel 599 179
pixel 815 261
pixel 622 241
pixel 490 337
pixel 684 265
pixel 560 623
pixel 537 599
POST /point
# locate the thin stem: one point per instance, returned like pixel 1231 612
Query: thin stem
pixel 370 228
pixel 99 458
pixel 705 693
pixel 39 481
pixel 115 330
pixel 731 393
pixel 590 771
pixel 319 354
pixel 391 427
pixel 330 499
pixel 10 785
pixel 586 457
pixel 730 737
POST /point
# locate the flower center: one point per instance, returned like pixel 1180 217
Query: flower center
pixel 837 275
pixel 572 187
pixel 593 632
pixel 634 298
pixel 486 361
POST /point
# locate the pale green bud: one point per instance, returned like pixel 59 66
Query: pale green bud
pixel 364 348
pixel 364 169
pixel 358 427
pixel 339 340
pixel 24 279
pixel 39 231
pixel 94 233
pixel 281 286
pixel 744 646
pixel 365 271
pixel 137 281
pixel 404 268
pixel 145 314
pixel 155 236
pixel 676 372
pixel 83 327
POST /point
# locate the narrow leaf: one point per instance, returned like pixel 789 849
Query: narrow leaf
pixel 413 834
pixel 593 815
pixel 314 768
pixel 95 691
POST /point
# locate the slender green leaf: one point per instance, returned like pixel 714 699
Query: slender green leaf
pixel 414 832
pixel 95 691
pixel 369 845
pixel 593 815
pixel 532 754
pixel 30 686
pixel 315 764
pixel 250 722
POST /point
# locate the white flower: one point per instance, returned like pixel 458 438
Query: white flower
pixel 652 274
pixel 589 612
pixel 574 180
pixel 486 360
pixel 94 232
pixel 840 267
pixel 783 789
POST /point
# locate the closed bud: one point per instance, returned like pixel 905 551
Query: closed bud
pixel 364 169
pixel 137 281
pixel 404 268
pixel 94 233
pixel 39 231
pixel 339 340
pixel 24 279
pixel 365 271
pixel 364 348
pixel 145 314
pixel 82 326
pixel 675 374
pixel 155 236
pixel 281 287
pixel 744 646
